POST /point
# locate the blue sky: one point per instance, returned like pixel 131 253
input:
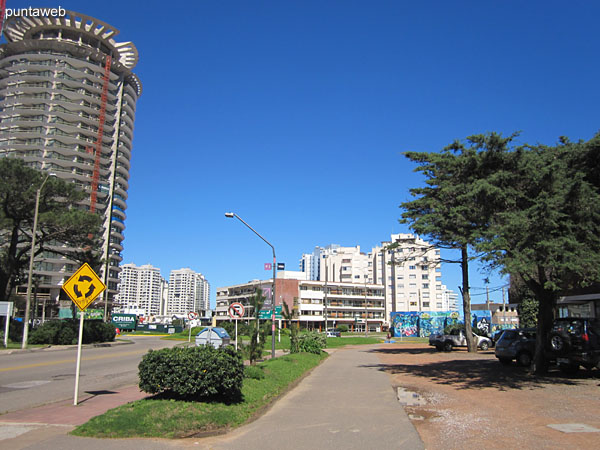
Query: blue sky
pixel 295 114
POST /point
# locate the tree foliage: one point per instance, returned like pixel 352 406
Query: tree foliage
pixel 548 231
pixel 531 211
pixel 63 226
pixel 289 317
pixel 454 208
pixel 257 340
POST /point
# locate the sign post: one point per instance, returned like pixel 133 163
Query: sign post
pixel 6 309
pixel 191 316
pixel 83 288
pixel 236 312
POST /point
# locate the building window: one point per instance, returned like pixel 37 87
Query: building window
pixel 412 267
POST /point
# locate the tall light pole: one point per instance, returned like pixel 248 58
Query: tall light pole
pixel 366 310
pixel 273 297
pixel 31 255
pixel 325 295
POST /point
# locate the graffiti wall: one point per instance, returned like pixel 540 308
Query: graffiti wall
pixel 423 323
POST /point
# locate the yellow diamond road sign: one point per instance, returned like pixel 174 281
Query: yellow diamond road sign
pixel 84 286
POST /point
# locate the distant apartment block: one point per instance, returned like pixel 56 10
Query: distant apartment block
pixel 188 291
pixel 409 273
pixel 139 290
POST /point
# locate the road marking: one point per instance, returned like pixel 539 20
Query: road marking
pixel 71 360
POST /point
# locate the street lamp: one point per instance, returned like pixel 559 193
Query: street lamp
pixel 325 297
pixel 273 297
pixel 31 255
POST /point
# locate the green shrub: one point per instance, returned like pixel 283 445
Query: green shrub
pixel 193 373
pixel 66 332
pixel 343 328
pixel 312 342
pixel 15 331
pixel 254 372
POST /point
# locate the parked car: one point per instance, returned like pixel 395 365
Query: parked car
pixel 518 345
pixel 496 337
pixel 574 342
pixel 333 333
pixel 457 338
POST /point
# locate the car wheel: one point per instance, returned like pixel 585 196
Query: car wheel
pixel 524 359
pixel 448 346
pixel 484 345
pixel 505 361
pixel 439 348
pixel 569 369
pixel 559 343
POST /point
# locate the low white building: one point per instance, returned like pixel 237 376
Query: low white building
pixel 318 304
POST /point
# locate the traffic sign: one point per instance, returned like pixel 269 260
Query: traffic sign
pixel 280 266
pixel 265 314
pixel 83 287
pixel 236 311
pixel 268 266
pixel 192 315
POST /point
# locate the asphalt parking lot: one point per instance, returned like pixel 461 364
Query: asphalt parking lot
pixel 461 400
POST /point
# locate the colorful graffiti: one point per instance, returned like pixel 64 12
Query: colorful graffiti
pixel 424 323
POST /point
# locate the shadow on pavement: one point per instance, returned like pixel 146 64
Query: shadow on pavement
pixel 405 350
pixel 479 373
pixel 96 394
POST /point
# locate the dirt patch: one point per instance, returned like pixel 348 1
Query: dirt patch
pixel 473 400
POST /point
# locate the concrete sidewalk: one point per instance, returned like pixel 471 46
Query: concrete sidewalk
pixel 346 402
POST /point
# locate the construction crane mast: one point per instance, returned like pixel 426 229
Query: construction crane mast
pixel 102 118
pixel 2 15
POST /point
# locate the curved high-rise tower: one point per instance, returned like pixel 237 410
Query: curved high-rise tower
pixel 67 105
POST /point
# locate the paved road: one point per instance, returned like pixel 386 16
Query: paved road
pixel 345 403
pixel 38 377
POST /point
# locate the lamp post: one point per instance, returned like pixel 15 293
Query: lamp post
pixel 366 310
pixel 273 297
pixel 325 295
pixel 31 255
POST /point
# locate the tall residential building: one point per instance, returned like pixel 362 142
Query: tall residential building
pixel 410 273
pixel 67 106
pixel 188 291
pixel 140 289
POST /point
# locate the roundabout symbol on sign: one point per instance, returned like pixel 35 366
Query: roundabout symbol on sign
pixel 236 311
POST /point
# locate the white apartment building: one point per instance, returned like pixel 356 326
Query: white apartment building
pixel 450 299
pixel 410 274
pixel 188 291
pixel 139 290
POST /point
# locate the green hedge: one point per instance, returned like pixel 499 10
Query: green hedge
pixel 193 373
pixel 66 332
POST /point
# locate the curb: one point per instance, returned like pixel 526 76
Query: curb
pixel 51 348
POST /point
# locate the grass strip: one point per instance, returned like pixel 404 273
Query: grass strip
pixel 176 419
